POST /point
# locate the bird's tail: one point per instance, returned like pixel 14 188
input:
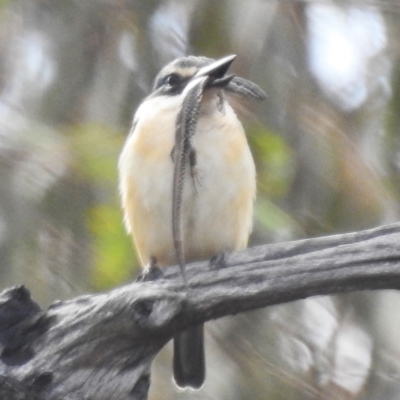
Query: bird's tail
pixel 189 359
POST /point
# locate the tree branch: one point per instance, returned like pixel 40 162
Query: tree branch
pixel 101 346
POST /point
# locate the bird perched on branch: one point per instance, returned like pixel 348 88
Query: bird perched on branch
pixel 187 179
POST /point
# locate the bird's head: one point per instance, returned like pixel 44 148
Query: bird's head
pixel 176 76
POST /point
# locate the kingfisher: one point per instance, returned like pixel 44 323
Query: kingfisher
pixel 217 213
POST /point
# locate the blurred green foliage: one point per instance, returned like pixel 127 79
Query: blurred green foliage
pixel 274 160
pixel 113 254
pixel 275 171
pixel 95 150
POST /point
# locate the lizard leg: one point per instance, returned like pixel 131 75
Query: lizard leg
pixel 194 170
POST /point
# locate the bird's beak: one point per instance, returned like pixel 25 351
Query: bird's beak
pixel 216 71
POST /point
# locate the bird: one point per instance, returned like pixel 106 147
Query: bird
pixel 217 212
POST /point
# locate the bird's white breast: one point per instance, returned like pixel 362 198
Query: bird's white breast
pixel 217 214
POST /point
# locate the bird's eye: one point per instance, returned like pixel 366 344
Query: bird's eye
pixel 172 80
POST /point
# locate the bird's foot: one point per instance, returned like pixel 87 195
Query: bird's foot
pixel 219 260
pixel 152 272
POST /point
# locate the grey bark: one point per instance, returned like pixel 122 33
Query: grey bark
pixel 101 346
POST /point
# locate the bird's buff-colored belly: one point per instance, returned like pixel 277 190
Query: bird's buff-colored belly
pixel 217 209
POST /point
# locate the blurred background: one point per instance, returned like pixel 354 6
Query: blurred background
pixel 326 144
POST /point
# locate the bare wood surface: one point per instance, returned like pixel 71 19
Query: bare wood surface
pixel 101 346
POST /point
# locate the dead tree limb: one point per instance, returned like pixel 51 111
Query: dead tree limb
pixel 101 346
